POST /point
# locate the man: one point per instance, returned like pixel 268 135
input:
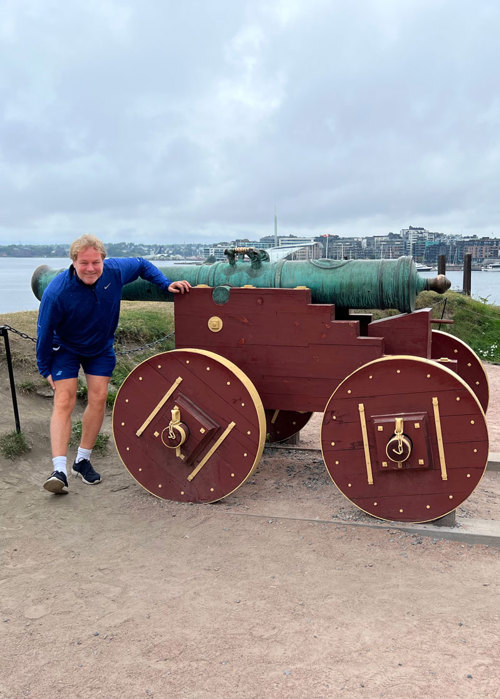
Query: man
pixel 76 325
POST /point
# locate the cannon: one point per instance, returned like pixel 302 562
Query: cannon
pixel 347 283
pixel 261 346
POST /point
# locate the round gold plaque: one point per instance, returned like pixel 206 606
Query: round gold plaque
pixel 215 324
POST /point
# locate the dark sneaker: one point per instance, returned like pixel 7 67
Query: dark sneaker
pixel 84 469
pixel 56 483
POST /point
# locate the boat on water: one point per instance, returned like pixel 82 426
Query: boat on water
pixel 493 267
pixel 423 268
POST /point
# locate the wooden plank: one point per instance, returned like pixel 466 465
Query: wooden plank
pixel 405 334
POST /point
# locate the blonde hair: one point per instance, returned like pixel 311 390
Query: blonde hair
pixel 84 242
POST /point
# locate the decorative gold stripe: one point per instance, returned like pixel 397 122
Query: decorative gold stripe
pixel 211 451
pixel 159 406
pixel 275 415
pixel 439 434
pixel 366 446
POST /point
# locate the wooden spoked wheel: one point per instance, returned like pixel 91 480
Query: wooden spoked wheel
pixel 469 366
pixel 405 439
pixel 189 425
pixel 283 424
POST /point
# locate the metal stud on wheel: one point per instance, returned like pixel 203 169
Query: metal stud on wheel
pixel 189 425
pixel 405 439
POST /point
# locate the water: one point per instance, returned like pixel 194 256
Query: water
pixel 16 272
pixel 484 285
pixel 15 281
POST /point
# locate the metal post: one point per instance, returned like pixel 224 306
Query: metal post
pixel 467 273
pixel 5 334
pixel 442 312
pixel 442 264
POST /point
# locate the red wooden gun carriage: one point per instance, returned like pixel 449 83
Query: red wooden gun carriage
pixel 404 433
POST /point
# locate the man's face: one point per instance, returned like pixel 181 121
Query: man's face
pixel 88 265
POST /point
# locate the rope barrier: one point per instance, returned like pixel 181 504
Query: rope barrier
pixel 150 344
pixel 18 332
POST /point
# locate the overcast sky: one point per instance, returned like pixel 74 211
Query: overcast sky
pixel 190 120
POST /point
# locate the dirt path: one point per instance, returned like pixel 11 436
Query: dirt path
pixel 109 592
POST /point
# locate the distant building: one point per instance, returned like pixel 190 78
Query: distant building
pixel 415 239
pixel 390 246
pixel 433 249
pixel 455 248
pixel 216 251
pixel 482 249
pixel 268 241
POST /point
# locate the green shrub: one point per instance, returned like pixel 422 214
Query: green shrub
pixel 13 445
pixel 476 323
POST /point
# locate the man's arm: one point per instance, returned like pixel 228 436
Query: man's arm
pixel 134 267
pixel 45 333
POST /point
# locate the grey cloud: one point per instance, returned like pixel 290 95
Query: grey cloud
pixel 148 118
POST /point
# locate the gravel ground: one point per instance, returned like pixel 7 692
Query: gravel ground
pixel 274 592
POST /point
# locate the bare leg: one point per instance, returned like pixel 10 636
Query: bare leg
pixel 60 423
pixel 94 412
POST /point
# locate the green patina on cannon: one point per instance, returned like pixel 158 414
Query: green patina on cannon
pixel 346 283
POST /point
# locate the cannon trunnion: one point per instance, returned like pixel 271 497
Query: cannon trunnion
pixel 404 432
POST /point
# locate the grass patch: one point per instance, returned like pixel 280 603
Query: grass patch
pixel 124 366
pixel 13 445
pixel 23 358
pixel 81 390
pixel 475 322
pixel 111 397
pixel 101 443
pixel 22 350
pixel 144 322
pixel 24 321
pixel 141 323
pixel 28 387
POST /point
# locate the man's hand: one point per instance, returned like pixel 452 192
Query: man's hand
pixel 176 287
pixel 51 383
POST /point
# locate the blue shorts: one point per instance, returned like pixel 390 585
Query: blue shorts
pixel 66 364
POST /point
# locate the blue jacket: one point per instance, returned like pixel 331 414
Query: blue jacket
pixel 82 318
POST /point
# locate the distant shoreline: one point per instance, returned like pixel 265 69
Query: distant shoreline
pixel 16 274
pixel 196 260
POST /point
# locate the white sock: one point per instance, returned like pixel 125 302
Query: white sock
pixel 83 454
pixel 60 464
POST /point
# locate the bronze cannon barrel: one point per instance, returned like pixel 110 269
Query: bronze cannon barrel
pixel 345 283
